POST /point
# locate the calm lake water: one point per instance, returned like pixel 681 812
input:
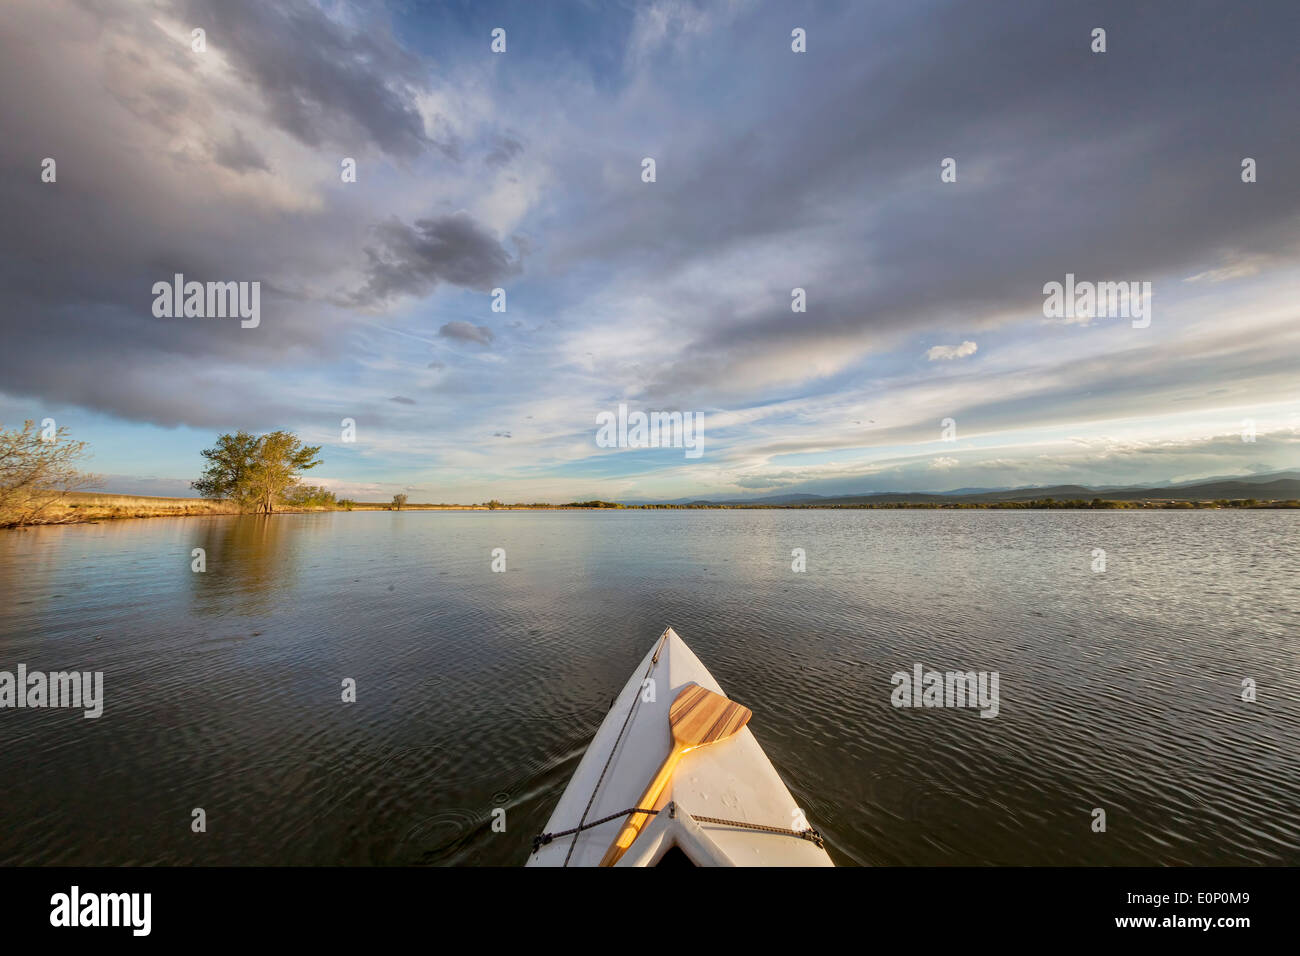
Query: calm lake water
pixel 1119 690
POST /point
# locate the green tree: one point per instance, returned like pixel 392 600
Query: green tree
pixel 37 469
pixel 255 471
pixel 308 496
pixel 229 474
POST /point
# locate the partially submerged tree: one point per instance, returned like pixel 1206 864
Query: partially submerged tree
pixel 255 471
pixel 37 469
pixel 399 502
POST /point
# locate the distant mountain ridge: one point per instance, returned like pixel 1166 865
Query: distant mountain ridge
pixel 1275 486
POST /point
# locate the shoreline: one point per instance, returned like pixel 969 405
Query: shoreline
pixel 92 508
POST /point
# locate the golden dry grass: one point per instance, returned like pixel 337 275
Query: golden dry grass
pixel 77 507
pixel 80 506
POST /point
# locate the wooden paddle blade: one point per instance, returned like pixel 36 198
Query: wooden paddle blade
pixel 699 716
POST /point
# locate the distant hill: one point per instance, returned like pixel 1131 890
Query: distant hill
pixel 766 500
pixel 1249 479
pixel 1277 489
pixel 785 499
pixel 1279 486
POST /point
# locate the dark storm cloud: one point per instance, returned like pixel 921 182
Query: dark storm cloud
pixel 412 260
pixel 465 332
pixel 506 149
pixel 321 80
pixel 239 155
pixel 146 146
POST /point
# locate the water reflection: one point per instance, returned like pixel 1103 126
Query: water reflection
pixel 248 559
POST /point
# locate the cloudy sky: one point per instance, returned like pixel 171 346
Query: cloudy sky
pixel 774 170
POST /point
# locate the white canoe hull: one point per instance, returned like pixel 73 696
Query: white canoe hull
pixel 731 780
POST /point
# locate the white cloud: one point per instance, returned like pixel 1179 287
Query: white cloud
pixel 1236 267
pixel 948 352
pixel 674 23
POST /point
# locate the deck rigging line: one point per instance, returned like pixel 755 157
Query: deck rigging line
pixel 636 700
pixel 811 834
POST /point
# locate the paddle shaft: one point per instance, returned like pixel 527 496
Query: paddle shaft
pixel 639 820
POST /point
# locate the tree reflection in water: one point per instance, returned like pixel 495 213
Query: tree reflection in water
pixel 249 559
